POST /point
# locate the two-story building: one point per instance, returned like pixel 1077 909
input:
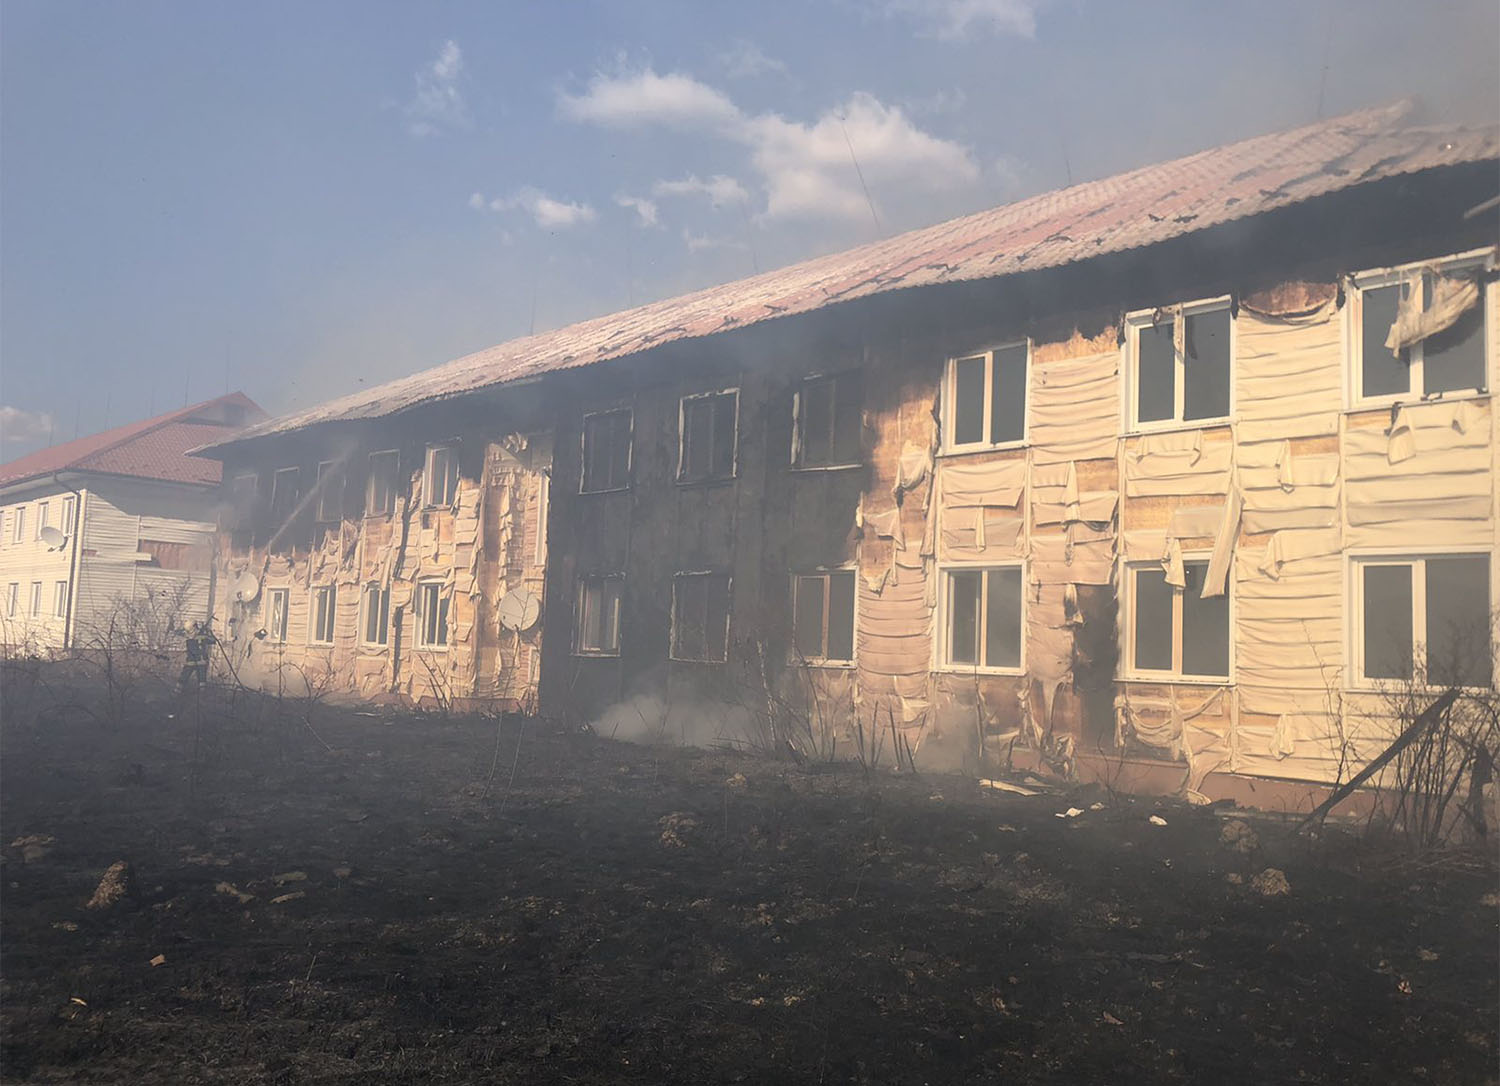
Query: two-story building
pixel 1186 463
pixel 109 538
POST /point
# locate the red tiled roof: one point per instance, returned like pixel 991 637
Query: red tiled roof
pixel 152 449
pixel 1131 210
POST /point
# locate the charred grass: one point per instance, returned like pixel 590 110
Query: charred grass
pixel 604 912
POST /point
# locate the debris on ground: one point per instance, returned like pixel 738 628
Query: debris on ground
pixel 117 884
pixel 1271 883
pixel 234 892
pixel 33 846
pixel 1157 820
pixel 737 783
pixel 343 871
pixel 1071 812
pixel 295 895
pixel 1006 786
pixel 289 876
pixel 673 827
pixel 1237 835
pixel 160 959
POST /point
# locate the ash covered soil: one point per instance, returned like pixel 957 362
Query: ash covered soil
pixel 559 907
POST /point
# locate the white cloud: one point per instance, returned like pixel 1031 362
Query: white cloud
pixel 955 19
pixel 719 189
pixel 18 426
pixel 476 201
pixel 438 104
pixel 806 170
pixel 744 60
pixel 700 242
pixel 644 99
pixel 644 209
pixel 548 212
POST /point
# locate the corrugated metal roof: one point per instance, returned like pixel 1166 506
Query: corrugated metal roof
pixel 155 448
pixel 1127 211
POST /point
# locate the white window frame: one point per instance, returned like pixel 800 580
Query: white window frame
pixel 60 599
pixel 1129 368
pixel 685 574
pixel 584 582
pixel 69 514
pixel 824 661
pixel 429 475
pixel 1354 367
pixel 799 401
pixel 1129 671
pixel 314 595
pixel 18 525
pixel 734 450
pixel 940 646
pixel 950 400
pixel 370 510
pixel 428 641
pixel 278 604
pixel 583 448
pixel 1354 591
pixel 329 472
pixel 35 610
pixel 384 638
pixel 543 504
pixel 43 509
pixel 13 599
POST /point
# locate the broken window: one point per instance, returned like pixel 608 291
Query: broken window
pixel 983 609
pixel 1426 619
pixel 377 615
pixel 380 486
pixel 432 615
pixel 243 491
pixel 324 600
pixel 1421 330
pixel 828 421
pixel 285 492
pixel 597 631
pixel 1181 363
pixel 441 478
pixel 708 435
pixel 987 397
pixel 823 616
pixel 276 604
pixel 700 617
pixel 1174 630
pixel 60 599
pixel 606 451
pixel 330 492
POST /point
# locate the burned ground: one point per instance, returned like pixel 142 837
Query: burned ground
pixel 511 903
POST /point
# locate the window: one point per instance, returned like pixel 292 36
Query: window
pixel 330 492
pixel 700 617
pixel 828 420
pixel 69 514
pixel 375 629
pixel 380 487
pixel 18 526
pixel 60 599
pixel 324 601
pixel 285 491
pixel 43 509
pixel 1424 619
pixel 1175 632
pixel 823 616
pixel 543 501
pixel 597 630
pixel 707 426
pixel 986 397
pixel 606 451
pixel 1180 363
pixel 982 608
pixel 36 599
pixel 432 615
pixel 1450 359
pixel 442 475
pixel 12 599
pixel 277 599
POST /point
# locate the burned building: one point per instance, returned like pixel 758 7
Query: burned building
pixel 1181 465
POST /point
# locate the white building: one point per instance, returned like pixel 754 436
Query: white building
pixel 111 535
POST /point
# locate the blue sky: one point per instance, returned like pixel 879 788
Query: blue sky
pixel 304 198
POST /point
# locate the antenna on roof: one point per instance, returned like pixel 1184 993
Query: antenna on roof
pixel 861 175
pixel 1323 72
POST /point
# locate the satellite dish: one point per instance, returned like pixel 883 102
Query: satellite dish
pixel 519 610
pixel 246 587
pixel 51 536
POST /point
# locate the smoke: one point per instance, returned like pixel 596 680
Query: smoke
pixel 693 722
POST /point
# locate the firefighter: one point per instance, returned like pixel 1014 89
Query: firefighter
pixel 200 641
